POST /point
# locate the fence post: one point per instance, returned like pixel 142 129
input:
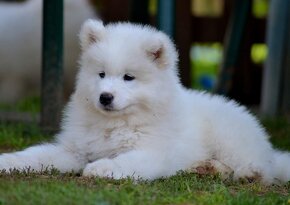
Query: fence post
pixel 233 39
pixel 183 39
pixel 166 16
pixel 286 79
pixel 52 64
pixel 277 61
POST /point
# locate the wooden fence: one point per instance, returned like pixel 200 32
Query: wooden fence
pixel 236 28
pixel 189 28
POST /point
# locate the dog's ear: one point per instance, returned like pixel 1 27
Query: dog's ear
pixel 161 50
pixel 155 51
pixel 92 32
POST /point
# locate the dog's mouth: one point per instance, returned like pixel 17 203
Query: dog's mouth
pixel 111 109
pixel 107 108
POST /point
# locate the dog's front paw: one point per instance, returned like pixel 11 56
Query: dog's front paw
pixel 104 168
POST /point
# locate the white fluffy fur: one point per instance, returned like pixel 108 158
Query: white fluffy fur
pixel 154 127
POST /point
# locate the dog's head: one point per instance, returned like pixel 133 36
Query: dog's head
pixel 125 66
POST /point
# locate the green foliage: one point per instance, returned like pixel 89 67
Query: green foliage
pixel 259 53
pixel 205 61
pixel 152 7
pixel 260 8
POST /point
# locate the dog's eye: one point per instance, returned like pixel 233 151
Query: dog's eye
pixel 128 77
pixel 102 74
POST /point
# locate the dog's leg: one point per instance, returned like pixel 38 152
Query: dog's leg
pixel 135 164
pixel 41 157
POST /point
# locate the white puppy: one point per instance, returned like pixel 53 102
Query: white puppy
pixel 130 116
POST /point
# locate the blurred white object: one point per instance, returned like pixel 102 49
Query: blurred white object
pixel 20 46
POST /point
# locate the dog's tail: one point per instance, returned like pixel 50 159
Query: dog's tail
pixel 282 166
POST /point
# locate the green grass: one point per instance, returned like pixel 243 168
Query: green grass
pixel 184 188
pixel 29 104
pixel 279 129
pixel 180 189
pixel 20 135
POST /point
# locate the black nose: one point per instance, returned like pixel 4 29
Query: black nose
pixel 106 99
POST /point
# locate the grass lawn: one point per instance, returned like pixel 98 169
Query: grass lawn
pixel 184 188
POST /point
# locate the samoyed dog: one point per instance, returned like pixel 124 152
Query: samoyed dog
pixel 130 116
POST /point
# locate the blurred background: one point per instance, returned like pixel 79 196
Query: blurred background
pixel 223 45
